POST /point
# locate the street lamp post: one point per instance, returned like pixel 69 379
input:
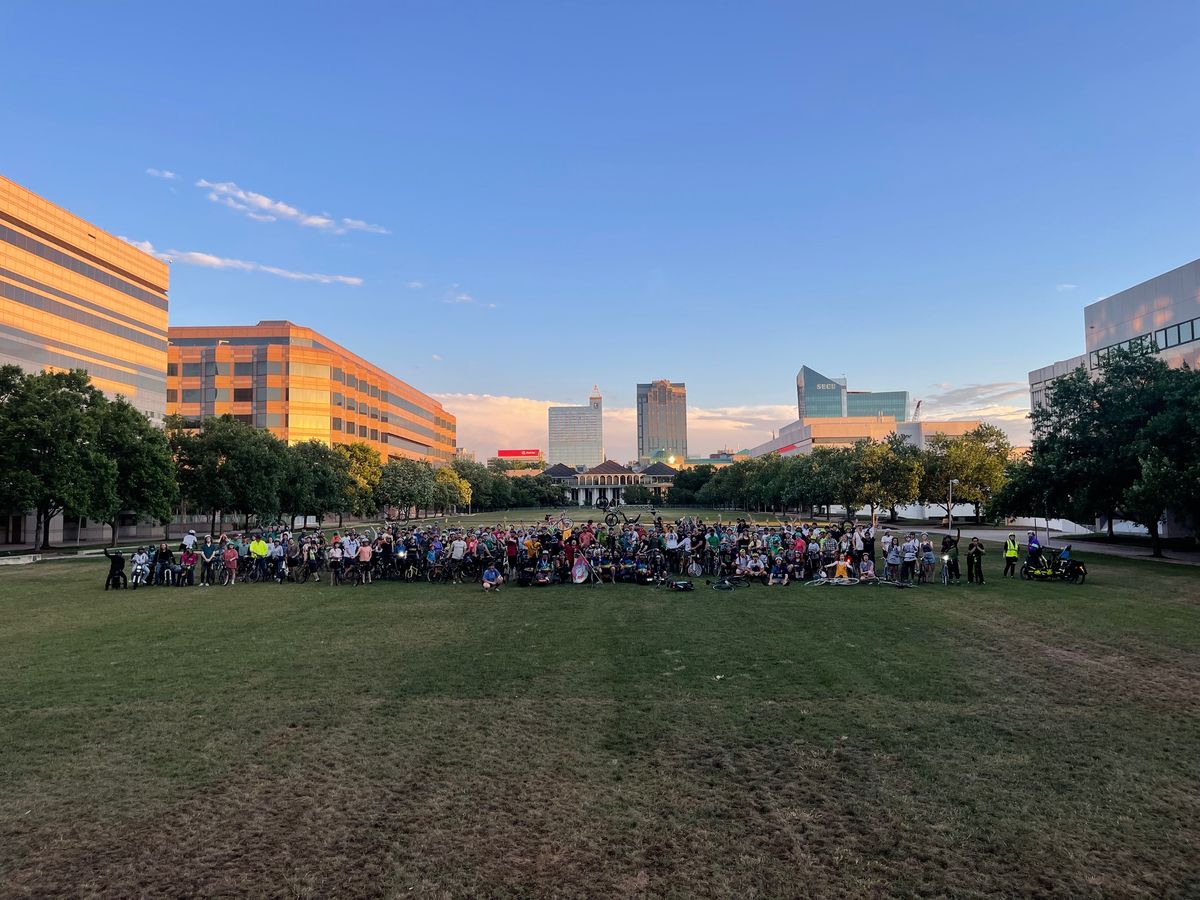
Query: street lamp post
pixel 950 506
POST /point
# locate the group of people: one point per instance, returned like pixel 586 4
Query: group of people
pixel 559 551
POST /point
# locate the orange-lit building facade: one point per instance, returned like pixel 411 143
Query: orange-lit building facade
pixel 300 385
pixel 73 296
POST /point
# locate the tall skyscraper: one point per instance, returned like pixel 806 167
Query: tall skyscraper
pixel 662 421
pixel 821 397
pixel 75 297
pixel 577 433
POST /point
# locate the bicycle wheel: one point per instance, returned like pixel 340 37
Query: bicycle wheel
pixel 695 569
pixel 722 585
pixel 817 582
pixel 844 582
pixel 434 575
pixel 253 575
pixel 610 520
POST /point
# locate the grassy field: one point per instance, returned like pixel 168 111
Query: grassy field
pixel 408 740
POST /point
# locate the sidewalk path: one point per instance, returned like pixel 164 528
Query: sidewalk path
pixel 1128 551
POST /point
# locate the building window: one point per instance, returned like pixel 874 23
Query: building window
pixel 191 395
pixel 191 370
pixel 337 399
pixel 172 369
pixel 216 368
pixel 374 434
pixel 362 430
pixel 243 395
pixel 351 382
pixel 350 428
pixel 172 395
pixel 351 404
pixel 1186 333
pixel 244 417
pixel 337 375
pixel 243 368
pixel 337 423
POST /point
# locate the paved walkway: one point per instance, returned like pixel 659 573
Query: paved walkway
pixel 1128 551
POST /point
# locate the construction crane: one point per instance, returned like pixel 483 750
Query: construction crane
pixel 917 412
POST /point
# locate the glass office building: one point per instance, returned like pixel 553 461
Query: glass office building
pixel 73 296
pixel 577 434
pixel 662 421
pixel 302 386
pixel 821 397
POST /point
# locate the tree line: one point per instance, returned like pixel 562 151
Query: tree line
pixel 876 475
pixel 66 449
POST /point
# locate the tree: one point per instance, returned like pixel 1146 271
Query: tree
pixel 316 480
pixel 145 470
pixel 688 483
pixel 890 474
pixel 405 484
pixel 637 494
pixel 364 470
pixel 49 432
pixel 450 490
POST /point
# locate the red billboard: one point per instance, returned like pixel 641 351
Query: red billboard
pixel 519 454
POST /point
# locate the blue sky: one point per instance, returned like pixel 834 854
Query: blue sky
pixel 523 199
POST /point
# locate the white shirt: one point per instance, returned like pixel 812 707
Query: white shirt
pixel 189 540
pixel 458 549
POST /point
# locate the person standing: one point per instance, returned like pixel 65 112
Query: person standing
pixel 1010 556
pixel 208 560
pixel 975 553
pixel 230 558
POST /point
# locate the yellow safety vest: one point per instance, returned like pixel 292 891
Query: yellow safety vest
pixel 1010 548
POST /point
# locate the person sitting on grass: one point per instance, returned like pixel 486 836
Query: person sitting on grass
pixel 492 579
pixel 779 574
pixel 757 567
pixel 116 570
pixel 843 567
pixel 741 565
pixel 866 568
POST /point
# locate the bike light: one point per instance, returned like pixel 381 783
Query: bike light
pixel 945 559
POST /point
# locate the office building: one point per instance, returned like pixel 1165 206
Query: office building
pixel 576 437
pixel 76 297
pixel 662 422
pixel 302 386
pixel 1161 315
pixel 1041 379
pixel 821 397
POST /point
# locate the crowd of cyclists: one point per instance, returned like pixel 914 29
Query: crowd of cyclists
pixel 558 551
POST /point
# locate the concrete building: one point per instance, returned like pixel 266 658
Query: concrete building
pixel 73 296
pixel 576 434
pixel 821 397
pixel 301 386
pixel 1040 379
pixel 1161 315
pixel 662 421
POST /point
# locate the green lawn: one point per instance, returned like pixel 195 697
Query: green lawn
pixel 408 740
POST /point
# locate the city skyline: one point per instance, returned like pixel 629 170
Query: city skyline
pixel 862 218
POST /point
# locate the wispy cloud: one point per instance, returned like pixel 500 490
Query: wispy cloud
pixel 162 173
pixel 1065 288
pixel 1002 403
pixel 262 208
pixel 415 285
pixel 211 261
pixel 436 358
pixel 454 294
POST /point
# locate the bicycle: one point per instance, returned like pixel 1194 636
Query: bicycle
pixel 944 575
pixel 729 583
pixel 614 516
